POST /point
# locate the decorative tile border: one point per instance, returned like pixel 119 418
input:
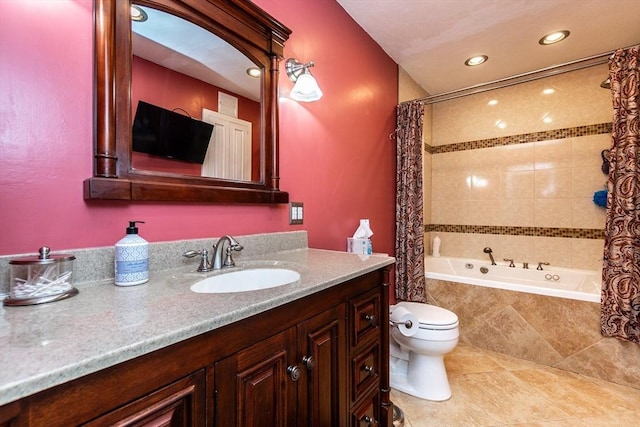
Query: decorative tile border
pixel 573 233
pixel 597 129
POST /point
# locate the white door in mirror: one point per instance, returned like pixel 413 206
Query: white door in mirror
pixel 252 279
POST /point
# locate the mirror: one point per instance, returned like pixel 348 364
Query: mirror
pixel 195 74
pixel 240 36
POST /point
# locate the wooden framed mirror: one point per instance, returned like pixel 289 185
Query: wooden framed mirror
pixel 239 25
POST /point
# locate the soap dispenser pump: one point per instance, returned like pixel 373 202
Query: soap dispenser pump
pixel 132 258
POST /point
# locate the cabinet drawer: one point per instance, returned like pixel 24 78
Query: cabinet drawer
pixel 365 317
pixel 368 413
pixel 181 403
pixel 365 371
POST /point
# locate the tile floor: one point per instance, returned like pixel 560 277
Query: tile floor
pixel 492 389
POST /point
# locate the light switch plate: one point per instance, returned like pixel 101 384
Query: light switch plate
pixel 296 213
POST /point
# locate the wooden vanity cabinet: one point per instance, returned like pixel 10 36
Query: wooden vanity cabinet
pixel 321 361
pixel 366 359
pixel 293 378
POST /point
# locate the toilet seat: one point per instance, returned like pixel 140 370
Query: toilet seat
pixel 431 317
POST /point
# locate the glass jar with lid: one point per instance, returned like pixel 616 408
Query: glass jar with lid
pixel 41 278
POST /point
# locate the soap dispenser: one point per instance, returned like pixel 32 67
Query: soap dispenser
pixel 132 258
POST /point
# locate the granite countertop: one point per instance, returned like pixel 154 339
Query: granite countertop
pixel 45 345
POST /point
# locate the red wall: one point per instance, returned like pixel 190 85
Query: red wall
pixel 336 156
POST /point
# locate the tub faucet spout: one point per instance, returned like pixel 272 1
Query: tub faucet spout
pixel 488 250
pixel 540 264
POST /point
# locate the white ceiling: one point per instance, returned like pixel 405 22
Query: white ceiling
pixel 431 39
pixel 179 45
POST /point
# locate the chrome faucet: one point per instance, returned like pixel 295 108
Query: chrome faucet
pixel 205 265
pixel 488 250
pixel 217 261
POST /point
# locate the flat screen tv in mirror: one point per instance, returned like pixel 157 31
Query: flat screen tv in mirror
pixel 165 133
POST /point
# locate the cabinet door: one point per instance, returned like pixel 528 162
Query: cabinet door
pixel 257 386
pixel 179 404
pixel 321 353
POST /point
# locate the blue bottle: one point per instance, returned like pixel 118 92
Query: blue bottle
pixel 132 258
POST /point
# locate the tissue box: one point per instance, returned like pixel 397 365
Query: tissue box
pixel 359 246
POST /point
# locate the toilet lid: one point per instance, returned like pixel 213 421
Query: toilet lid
pixel 431 316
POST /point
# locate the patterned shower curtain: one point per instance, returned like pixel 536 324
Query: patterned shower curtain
pixel 409 279
pixel 620 311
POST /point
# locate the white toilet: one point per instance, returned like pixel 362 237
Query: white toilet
pixel 417 361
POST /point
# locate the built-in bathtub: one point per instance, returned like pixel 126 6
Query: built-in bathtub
pixel 550 317
pixel 582 285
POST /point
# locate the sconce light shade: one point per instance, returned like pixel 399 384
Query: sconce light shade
pixel 306 87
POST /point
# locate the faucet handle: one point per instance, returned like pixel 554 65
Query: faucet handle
pixel 511 264
pixel 540 264
pixel 228 261
pixel 205 265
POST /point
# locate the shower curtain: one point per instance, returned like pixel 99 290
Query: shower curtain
pixel 620 308
pixel 409 278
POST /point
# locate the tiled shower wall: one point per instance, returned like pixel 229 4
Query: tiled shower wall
pixel 516 169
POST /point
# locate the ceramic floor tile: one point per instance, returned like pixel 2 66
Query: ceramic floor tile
pixel 457 411
pixel 628 397
pixel 494 390
pixel 509 400
pixel 571 394
pixel 465 359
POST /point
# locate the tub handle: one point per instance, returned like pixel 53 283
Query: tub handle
pixel 511 264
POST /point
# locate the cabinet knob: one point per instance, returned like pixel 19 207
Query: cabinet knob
pixel 368 369
pixel 370 421
pixel 308 362
pixel 294 372
pixel 371 319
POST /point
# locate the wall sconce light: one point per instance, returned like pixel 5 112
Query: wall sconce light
pixel 306 87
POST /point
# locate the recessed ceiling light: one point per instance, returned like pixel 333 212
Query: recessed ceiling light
pixel 554 37
pixel 137 14
pixel 548 91
pixel 476 60
pixel 493 102
pixel 254 72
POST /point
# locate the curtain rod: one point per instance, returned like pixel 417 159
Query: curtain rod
pixel 579 64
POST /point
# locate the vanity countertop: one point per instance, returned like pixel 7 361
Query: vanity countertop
pixel 45 345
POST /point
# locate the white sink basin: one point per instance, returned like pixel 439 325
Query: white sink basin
pixel 251 279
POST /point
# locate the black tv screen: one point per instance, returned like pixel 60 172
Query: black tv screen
pixel 161 132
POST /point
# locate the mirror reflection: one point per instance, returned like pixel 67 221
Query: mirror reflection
pixel 195 106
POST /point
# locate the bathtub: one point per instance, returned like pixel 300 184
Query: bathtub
pixel 582 285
